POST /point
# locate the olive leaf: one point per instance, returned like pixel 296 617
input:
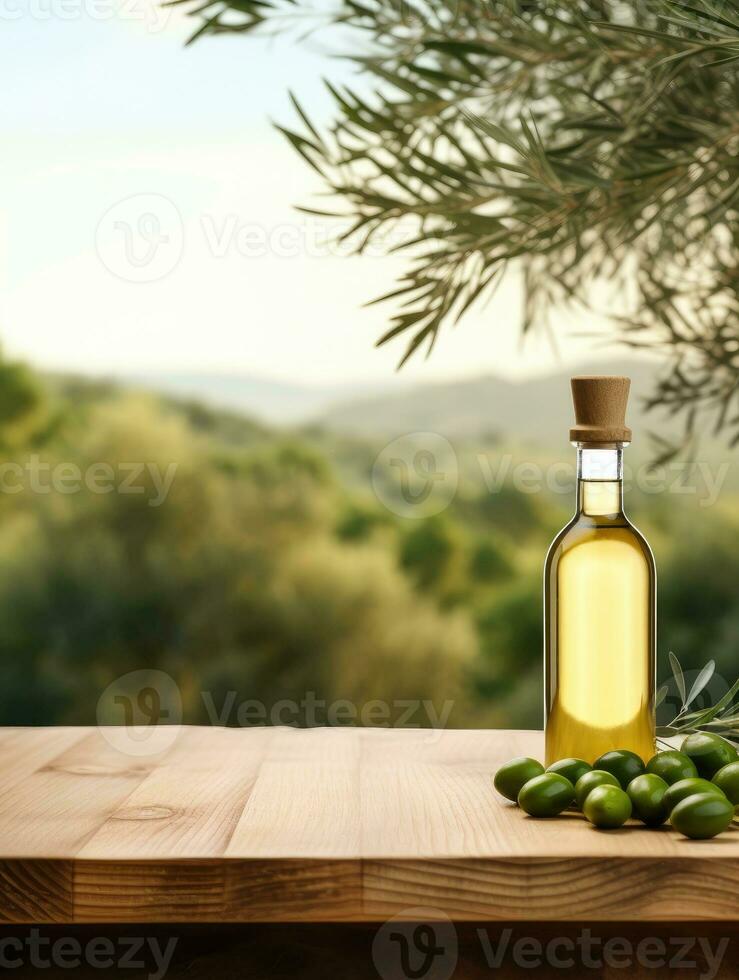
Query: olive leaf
pixel 701 681
pixel 677 672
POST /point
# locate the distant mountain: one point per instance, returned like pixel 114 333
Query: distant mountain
pixel 535 410
pixel 275 402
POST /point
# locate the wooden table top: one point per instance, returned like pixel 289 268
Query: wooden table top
pixel 275 824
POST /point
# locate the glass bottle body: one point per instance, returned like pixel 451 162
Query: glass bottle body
pixel 599 622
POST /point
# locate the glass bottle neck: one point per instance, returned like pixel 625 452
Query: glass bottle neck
pixel 600 481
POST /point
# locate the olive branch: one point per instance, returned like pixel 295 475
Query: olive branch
pixel 720 719
pixel 594 144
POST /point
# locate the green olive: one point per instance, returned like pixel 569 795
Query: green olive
pixel 587 782
pixel 709 752
pixel 647 795
pixel 672 766
pixel 689 787
pixel 702 816
pixel 546 795
pixel 514 774
pixel 622 764
pixel 727 780
pixel 607 807
pixel 571 769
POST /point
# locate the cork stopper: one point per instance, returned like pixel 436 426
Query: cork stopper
pixel 600 409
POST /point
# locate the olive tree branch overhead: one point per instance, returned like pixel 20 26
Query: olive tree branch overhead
pixel 589 142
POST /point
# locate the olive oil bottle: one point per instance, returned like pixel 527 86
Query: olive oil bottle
pixel 599 597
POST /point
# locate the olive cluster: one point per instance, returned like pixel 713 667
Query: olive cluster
pixel 697 788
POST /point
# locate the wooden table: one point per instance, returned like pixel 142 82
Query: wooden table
pixel 275 825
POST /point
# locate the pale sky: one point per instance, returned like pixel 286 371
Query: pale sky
pixel 120 144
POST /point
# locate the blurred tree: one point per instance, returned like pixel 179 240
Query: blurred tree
pixel 698 610
pixel 357 522
pixel 22 404
pixel 514 514
pixel 428 550
pixel 490 562
pixel 346 624
pixel 592 142
pixel 508 671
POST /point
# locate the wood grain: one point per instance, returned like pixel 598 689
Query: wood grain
pixel 270 825
pixel 54 809
pixel 305 803
pixel 190 804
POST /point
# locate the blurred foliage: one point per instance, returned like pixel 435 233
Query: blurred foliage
pixel 236 581
pixel 593 142
pixel 268 570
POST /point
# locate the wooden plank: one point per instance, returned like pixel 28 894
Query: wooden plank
pixel 293 891
pixel 371 891
pixel 216 891
pixel 36 891
pixel 306 800
pixel 554 889
pixel 189 805
pixel 148 891
pixel 428 793
pixel 59 806
pixel 24 750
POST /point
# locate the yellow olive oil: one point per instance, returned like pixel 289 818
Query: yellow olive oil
pixel 600 597
pixel 599 612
